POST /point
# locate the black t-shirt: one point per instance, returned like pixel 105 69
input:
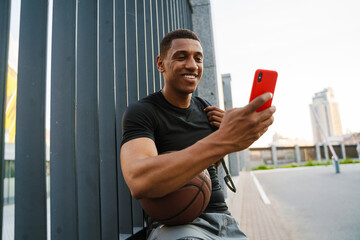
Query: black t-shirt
pixel 172 129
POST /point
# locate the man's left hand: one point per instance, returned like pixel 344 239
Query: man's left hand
pixel 215 115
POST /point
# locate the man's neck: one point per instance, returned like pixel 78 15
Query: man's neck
pixel 177 99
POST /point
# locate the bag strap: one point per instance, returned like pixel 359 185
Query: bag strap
pixel 228 180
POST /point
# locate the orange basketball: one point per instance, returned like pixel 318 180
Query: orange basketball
pixel 183 205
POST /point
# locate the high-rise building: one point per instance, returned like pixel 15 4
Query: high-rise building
pixel 327 110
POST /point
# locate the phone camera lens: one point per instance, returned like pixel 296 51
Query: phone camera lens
pixel 259 77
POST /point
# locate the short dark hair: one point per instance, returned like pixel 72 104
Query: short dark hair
pixel 176 34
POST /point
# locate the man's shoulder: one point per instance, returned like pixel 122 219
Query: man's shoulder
pixel 153 98
pixel 202 101
pixel 146 105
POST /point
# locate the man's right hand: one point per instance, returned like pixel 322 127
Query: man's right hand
pixel 241 127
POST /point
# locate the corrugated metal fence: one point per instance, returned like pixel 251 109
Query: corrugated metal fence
pixel 103 59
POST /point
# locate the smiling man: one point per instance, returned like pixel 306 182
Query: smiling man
pixel 174 121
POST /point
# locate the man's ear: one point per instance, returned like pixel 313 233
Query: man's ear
pixel 160 64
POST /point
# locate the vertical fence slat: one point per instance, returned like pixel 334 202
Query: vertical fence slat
pixel 171 19
pixel 178 14
pixel 30 191
pixel 182 13
pixel 107 137
pixel 150 47
pixel 133 85
pixel 160 21
pixel 166 16
pixel 62 149
pixel 124 198
pixel 141 45
pixel 185 14
pixel 87 132
pixel 189 15
pixel 155 42
pixel 131 53
pixel 4 45
pixel 174 14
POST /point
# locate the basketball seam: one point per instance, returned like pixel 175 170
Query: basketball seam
pixel 205 181
pixel 189 204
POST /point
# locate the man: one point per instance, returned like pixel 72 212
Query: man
pixel 172 121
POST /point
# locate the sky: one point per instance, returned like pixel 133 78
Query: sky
pixel 312 44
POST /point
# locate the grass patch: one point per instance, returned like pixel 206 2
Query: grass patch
pixel 309 163
pixel 263 167
pixel 349 161
pixel 293 165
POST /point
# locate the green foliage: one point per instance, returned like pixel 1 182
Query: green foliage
pixel 311 163
pixel 348 161
pixel 263 167
pixel 290 166
pixel 9 169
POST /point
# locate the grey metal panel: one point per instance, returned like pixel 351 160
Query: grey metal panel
pixel 182 12
pixel 160 33
pixel 178 14
pixel 172 15
pixel 141 44
pixel 166 16
pixel 124 198
pixel 30 191
pixel 150 47
pixel 64 224
pixel 131 53
pixel 107 129
pixel 132 86
pixel 4 44
pixel 185 14
pixel 175 15
pixel 87 128
pixel 155 24
pixel 160 7
pixel 189 15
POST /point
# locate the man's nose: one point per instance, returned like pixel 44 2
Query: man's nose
pixel 191 64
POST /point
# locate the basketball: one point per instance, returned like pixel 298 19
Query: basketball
pixel 183 205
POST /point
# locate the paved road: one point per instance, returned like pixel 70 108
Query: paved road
pixel 315 202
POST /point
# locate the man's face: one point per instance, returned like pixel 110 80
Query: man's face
pixel 182 66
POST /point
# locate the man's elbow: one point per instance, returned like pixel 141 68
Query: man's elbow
pixel 137 193
pixel 143 190
pixel 137 188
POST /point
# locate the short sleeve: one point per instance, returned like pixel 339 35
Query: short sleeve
pixel 138 121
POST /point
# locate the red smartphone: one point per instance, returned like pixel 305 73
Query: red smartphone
pixel 264 81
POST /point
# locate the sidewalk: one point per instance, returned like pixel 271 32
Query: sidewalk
pixel 257 220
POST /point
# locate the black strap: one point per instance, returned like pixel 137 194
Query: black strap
pixel 228 180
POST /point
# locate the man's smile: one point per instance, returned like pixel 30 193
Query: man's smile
pixel 190 76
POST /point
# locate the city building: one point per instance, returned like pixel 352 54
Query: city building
pixel 326 110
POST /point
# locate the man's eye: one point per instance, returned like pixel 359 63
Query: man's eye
pixel 198 59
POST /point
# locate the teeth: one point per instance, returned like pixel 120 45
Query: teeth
pixel 189 76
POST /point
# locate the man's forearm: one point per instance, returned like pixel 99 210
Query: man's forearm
pixel 159 175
